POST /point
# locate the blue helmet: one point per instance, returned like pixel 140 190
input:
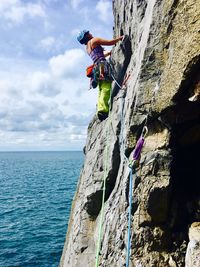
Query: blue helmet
pixel 82 36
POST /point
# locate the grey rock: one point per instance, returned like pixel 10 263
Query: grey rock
pixel 192 258
pixel 162 57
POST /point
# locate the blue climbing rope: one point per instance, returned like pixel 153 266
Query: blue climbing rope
pixel 136 156
pixel 129 217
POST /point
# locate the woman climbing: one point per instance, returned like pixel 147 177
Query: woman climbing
pixel 96 52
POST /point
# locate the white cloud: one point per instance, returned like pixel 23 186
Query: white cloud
pixel 104 9
pixel 16 11
pixel 77 137
pixel 45 101
pixel 67 64
pixel 4 85
pixel 52 44
pixel 40 109
pixel 4 4
pixel 38 79
pixel 43 83
pixel 47 43
pixel 76 3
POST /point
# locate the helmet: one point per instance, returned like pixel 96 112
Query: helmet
pixel 81 37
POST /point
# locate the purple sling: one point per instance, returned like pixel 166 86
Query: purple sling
pixel 138 148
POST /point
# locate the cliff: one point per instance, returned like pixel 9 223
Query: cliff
pixel 161 60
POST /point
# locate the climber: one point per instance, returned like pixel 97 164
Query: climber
pixel 96 52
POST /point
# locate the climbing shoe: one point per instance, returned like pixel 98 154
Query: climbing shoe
pixel 102 115
pixel 94 83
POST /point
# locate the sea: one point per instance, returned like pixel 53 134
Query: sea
pixel 36 192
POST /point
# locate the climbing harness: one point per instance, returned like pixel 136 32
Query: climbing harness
pixel 89 71
pixel 98 72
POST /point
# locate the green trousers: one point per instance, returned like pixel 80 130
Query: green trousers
pixel 104 96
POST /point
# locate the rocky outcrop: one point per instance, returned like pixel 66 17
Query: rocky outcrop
pixel 161 57
pixel 192 258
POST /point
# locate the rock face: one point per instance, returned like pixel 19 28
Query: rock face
pixel 162 57
pixel 192 258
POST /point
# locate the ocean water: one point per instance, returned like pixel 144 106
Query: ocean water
pixel 36 190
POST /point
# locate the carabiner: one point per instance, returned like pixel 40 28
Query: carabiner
pixel 144 132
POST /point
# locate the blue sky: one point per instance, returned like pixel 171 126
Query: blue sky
pixel 45 101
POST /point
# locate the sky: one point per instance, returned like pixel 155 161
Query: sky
pixel 45 99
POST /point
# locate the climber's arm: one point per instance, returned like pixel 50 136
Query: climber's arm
pixel 99 41
pixel 107 53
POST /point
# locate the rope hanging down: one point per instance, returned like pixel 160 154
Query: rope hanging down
pixel 105 164
pixel 136 156
pixel 104 181
pixel 102 204
pixel 129 217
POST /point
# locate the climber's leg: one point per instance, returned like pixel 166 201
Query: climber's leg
pixel 103 99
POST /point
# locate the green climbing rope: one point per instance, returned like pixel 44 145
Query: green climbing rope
pixel 105 164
